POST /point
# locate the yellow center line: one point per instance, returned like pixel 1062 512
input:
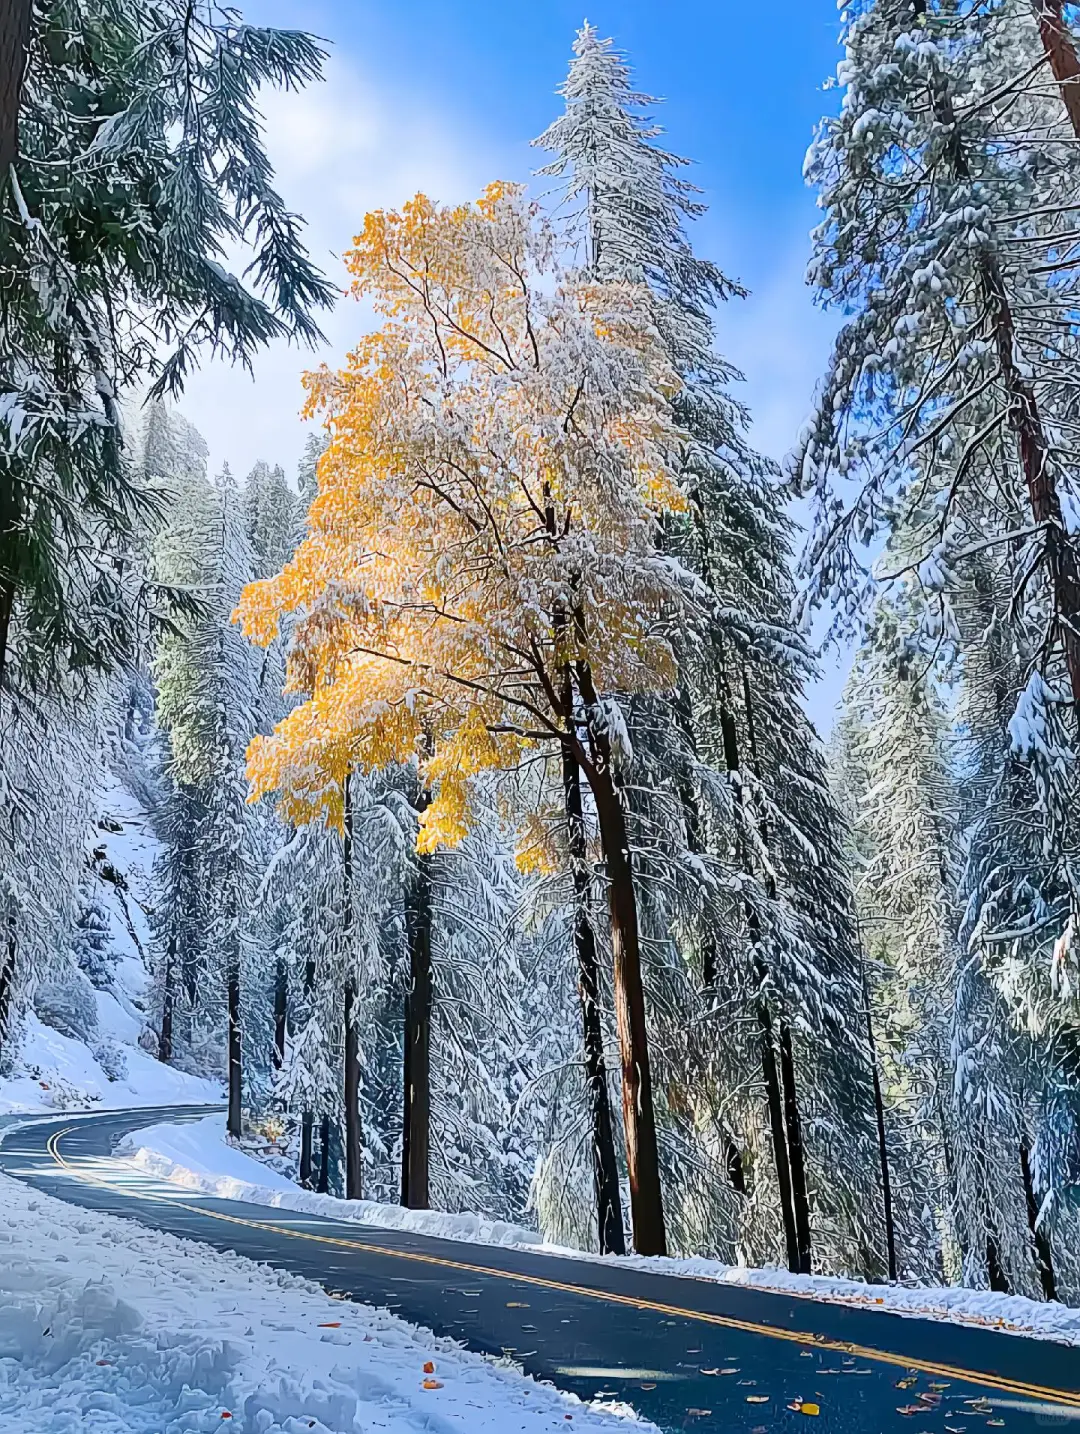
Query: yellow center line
pixel 1069 1398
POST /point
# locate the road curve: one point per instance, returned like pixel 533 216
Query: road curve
pixel 688 1354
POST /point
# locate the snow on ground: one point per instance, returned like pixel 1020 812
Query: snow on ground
pixel 55 1072
pixel 108 1328
pixel 198 1157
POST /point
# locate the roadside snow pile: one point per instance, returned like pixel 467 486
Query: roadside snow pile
pixel 197 1156
pixel 1009 1314
pixel 105 1326
pixel 55 1072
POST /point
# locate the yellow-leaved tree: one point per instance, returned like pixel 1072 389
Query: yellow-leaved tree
pixel 482 575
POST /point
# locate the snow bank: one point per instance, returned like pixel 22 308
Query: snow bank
pixel 1009 1314
pixel 55 1072
pixel 197 1156
pixel 107 1326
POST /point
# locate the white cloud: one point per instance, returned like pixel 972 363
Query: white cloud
pixel 339 149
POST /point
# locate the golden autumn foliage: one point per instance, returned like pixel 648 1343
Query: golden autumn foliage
pixel 500 454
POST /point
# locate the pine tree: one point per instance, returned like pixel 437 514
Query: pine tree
pixel 100 109
pixel 628 209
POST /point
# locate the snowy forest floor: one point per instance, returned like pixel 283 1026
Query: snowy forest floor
pixel 198 1157
pixel 107 1326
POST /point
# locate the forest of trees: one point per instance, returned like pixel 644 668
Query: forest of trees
pixel 499 863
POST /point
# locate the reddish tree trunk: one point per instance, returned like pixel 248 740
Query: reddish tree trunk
pixel 604 1165
pixel 639 1121
pixel 1060 50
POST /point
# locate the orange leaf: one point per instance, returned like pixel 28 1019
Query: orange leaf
pixel 429 1367
pixel 432 1384
pixel 331 1324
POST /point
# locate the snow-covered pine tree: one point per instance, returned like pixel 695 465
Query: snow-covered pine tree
pixel 208 693
pixel 135 156
pixel 628 208
pixel 942 451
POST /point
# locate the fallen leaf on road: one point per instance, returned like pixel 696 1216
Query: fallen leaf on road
pixel 331 1324
pixel 710 1371
pixel 730 1370
pixel 429 1367
pixel 906 1383
pixel 516 1305
pixel 432 1384
pixel 700 1413
pixel 648 1386
pixel 995 1423
pixel 757 1399
pixel 810 1409
pixel 912 1409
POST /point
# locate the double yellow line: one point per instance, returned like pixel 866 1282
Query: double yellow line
pixel 1063 1397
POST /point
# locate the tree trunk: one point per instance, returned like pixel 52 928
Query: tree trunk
pixel 323 1186
pixel 307 1165
pixel 1024 417
pixel 785 1124
pixel 695 836
pixel 604 1166
pixel 416 1122
pixel 307 1117
pixel 15 19
pixel 1060 50
pixel 883 1149
pixel 735 1168
pixel 1043 1257
pixel 235 1050
pixel 775 1103
pixel 281 1011
pixel 639 1121
pixel 7 970
pixel 998 1281
pixel 800 1198
pixel 168 1003
pixel 354 1164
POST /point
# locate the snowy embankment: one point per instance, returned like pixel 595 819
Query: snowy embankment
pixel 54 1072
pixel 105 1325
pixel 78 1045
pixel 198 1157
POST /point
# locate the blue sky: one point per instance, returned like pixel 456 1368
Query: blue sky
pixel 445 95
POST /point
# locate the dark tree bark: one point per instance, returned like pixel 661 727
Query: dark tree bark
pixel 307 1164
pixel 735 1168
pixel 354 1151
pixel 883 1148
pixel 307 1118
pixel 1060 50
pixel 168 1004
pixel 7 972
pixel 800 1198
pixel 1043 1256
pixel 998 1281
pixel 281 1011
pixel 604 1164
pixel 639 1121
pixel 15 18
pixel 416 1121
pixel 323 1186
pixel 236 1082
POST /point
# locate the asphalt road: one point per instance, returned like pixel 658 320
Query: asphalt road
pixel 688 1354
